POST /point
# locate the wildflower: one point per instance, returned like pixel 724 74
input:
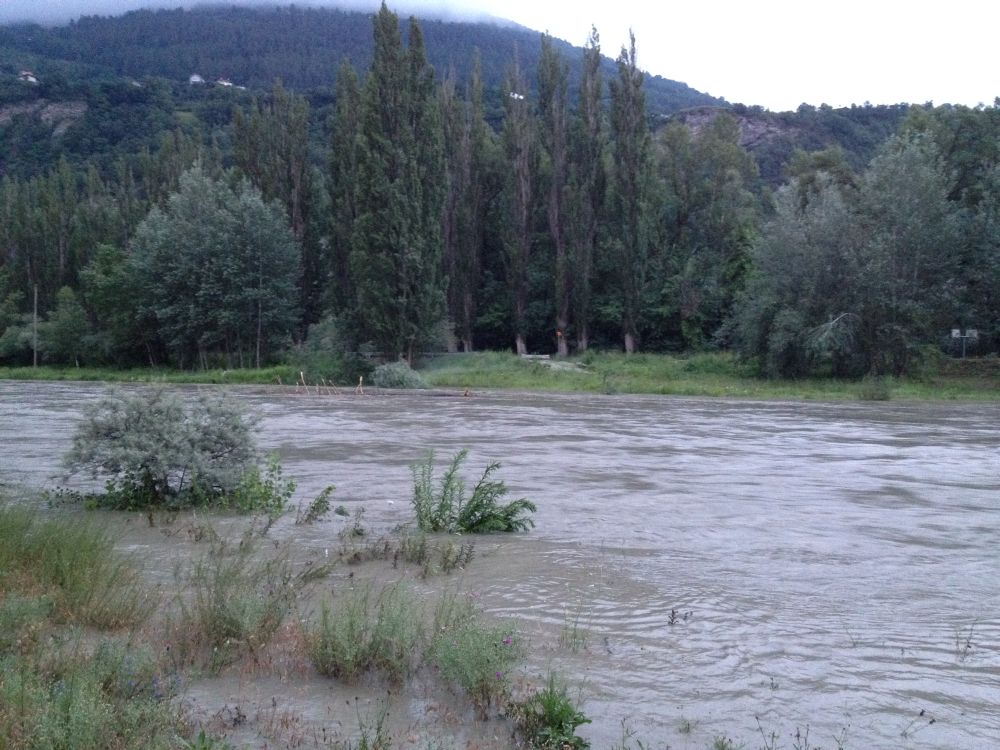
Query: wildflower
pixel 499 675
pixel 507 641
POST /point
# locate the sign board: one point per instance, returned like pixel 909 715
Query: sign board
pixel 956 333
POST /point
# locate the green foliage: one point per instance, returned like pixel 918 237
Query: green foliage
pixel 156 449
pixel 356 635
pixel 329 353
pixel 216 269
pixel 875 388
pixel 84 581
pixel 317 509
pixel 852 281
pixel 395 259
pixel 267 493
pixel 448 509
pixel 630 192
pixel 59 689
pixel 205 741
pixel 547 719
pixel 710 222
pixel 474 654
pixel 397 375
pixel 18 615
pixel 113 697
pixel 65 336
pixel 236 606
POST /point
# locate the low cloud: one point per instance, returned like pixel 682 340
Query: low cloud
pixel 15 11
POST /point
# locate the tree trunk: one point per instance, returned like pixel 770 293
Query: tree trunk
pixel 562 344
pixel 630 343
pixel 520 346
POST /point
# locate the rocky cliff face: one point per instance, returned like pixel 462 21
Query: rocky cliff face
pixel 756 130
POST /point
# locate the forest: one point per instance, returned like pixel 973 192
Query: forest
pixel 405 208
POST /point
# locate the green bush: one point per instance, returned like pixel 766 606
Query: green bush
pixel 328 354
pixel 548 719
pixel 474 654
pixel 317 510
pixel 76 566
pixel 338 645
pixel 113 697
pixel 156 450
pixel 448 509
pixel 18 615
pixel 236 604
pixel 358 636
pixel 266 493
pixel 875 388
pixel 397 375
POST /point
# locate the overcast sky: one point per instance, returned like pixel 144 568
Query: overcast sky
pixel 776 53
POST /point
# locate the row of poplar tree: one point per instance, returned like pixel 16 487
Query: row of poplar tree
pixel 568 225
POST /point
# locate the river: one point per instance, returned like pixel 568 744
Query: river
pixel 834 566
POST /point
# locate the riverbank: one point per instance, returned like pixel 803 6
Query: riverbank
pixel 702 375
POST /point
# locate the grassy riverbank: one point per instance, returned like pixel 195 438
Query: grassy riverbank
pixel 714 375
pixel 709 375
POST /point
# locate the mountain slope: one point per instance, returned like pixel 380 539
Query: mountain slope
pixel 303 47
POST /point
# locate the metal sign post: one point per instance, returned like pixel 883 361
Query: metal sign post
pixel 970 333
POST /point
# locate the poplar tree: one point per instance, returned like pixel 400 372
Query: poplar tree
pixel 588 183
pixel 396 245
pixel 519 145
pixel 553 76
pixel 467 137
pixel 271 147
pixel 339 295
pixel 630 201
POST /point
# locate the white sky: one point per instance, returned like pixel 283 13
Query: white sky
pixel 780 53
pixel 776 53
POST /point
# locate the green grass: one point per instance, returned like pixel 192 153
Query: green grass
pixel 474 653
pixel 74 566
pixel 717 374
pixel 708 374
pixel 356 634
pixel 65 682
pixel 547 719
pixel 236 605
pixel 285 374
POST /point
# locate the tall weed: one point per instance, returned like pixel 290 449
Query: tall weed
pixel 447 508
pixel 75 563
pixel 473 653
pixel 236 605
pixel 359 635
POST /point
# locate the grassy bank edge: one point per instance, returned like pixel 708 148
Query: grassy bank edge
pixel 716 375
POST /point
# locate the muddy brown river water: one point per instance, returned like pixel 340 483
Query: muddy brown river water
pixel 830 566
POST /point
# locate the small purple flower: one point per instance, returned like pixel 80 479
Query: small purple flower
pixel 499 675
pixel 507 641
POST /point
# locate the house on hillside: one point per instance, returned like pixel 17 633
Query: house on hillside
pixel 195 79
pixel 223 82
pixel 27 77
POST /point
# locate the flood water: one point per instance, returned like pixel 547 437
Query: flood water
pixel 830 566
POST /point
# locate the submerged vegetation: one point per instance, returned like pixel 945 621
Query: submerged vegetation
pixel 450 509
pixel 58 686
pixel 156 450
